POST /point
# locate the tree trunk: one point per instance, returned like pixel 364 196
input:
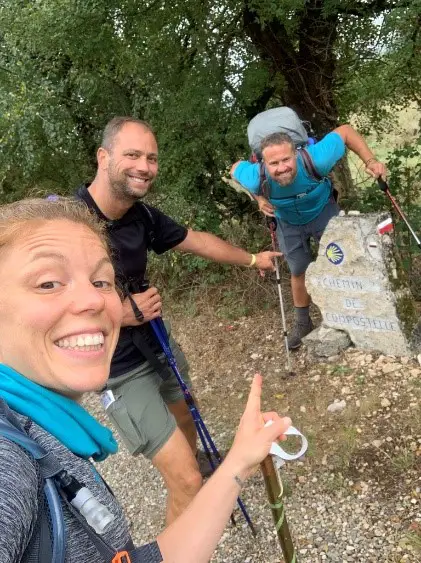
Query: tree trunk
pixel 307 64
pixel 342 181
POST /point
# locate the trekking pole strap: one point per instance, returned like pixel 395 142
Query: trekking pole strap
pixel 280 454
pixel 137 312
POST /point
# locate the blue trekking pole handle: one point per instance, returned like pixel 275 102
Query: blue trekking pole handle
pixel 161 333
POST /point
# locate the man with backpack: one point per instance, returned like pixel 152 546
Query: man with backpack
pixel 290 182
pixel 143 398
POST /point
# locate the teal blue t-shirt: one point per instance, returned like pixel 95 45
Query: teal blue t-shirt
pixel 303 200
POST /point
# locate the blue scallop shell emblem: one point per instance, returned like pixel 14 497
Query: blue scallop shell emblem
pixel 334 253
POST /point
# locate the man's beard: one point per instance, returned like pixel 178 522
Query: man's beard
pixel 121 190
pixel 287 179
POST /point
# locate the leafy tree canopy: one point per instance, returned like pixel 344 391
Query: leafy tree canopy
pixel 197 71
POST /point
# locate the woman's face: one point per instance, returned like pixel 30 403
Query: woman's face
pixel 60 313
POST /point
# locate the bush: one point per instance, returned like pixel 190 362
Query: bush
pixel 404 165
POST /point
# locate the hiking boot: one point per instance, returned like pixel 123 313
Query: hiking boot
pixel 298 332
pixel 205 467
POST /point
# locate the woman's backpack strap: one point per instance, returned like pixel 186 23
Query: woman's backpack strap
pixel 40 546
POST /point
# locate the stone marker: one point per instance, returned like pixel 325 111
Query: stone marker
pixel 360 287
pixel 326 342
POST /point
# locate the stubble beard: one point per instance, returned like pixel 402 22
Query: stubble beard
pixel 286 180
pixel 121 191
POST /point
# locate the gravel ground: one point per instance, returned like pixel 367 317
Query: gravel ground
pixel 357 495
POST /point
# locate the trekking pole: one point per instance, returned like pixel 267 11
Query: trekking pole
pixel 272 227
pixel 385 188
pixel 275 492
pixel 161 333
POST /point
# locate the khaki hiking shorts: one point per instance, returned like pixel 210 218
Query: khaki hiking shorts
pixel 139 411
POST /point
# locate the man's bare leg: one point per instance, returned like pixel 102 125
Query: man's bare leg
pixel 178 467
pixel 185 422
pixel 300 295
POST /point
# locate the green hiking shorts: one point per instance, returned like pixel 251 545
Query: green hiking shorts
pixel 138 409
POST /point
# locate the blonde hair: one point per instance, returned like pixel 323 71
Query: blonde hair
pixel 17 217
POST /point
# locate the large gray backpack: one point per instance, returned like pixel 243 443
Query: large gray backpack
pixel 280 120
pixel 276 120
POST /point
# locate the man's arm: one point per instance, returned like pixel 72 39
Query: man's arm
pixel 264 205
pixel 247 174
pixel 213 248
pixel 357 144
pixel 233 167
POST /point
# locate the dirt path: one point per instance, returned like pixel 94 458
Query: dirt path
pixel 357 494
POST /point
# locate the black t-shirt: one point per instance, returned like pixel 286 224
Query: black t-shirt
pixel 130 242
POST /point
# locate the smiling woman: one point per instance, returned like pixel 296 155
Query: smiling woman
pixel 60 315
pixel 59 306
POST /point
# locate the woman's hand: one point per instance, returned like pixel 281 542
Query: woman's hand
pixel 253 441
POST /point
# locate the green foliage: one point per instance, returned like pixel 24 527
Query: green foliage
pixel 384 55
pixel 404 165
pixel 198 71
pixel 175 270
pixel 195 69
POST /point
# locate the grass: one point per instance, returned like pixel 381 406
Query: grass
pixel 413 539
pixel 347 442
pixel 360 379
pixel 401 460
pixel 335 483
pixel 417 383
pixel 404 460
pixel 340 370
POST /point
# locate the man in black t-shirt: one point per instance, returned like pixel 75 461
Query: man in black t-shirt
pixel 143 399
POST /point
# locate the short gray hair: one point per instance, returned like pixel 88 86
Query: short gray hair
pixel 113 128
pixel 276 139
